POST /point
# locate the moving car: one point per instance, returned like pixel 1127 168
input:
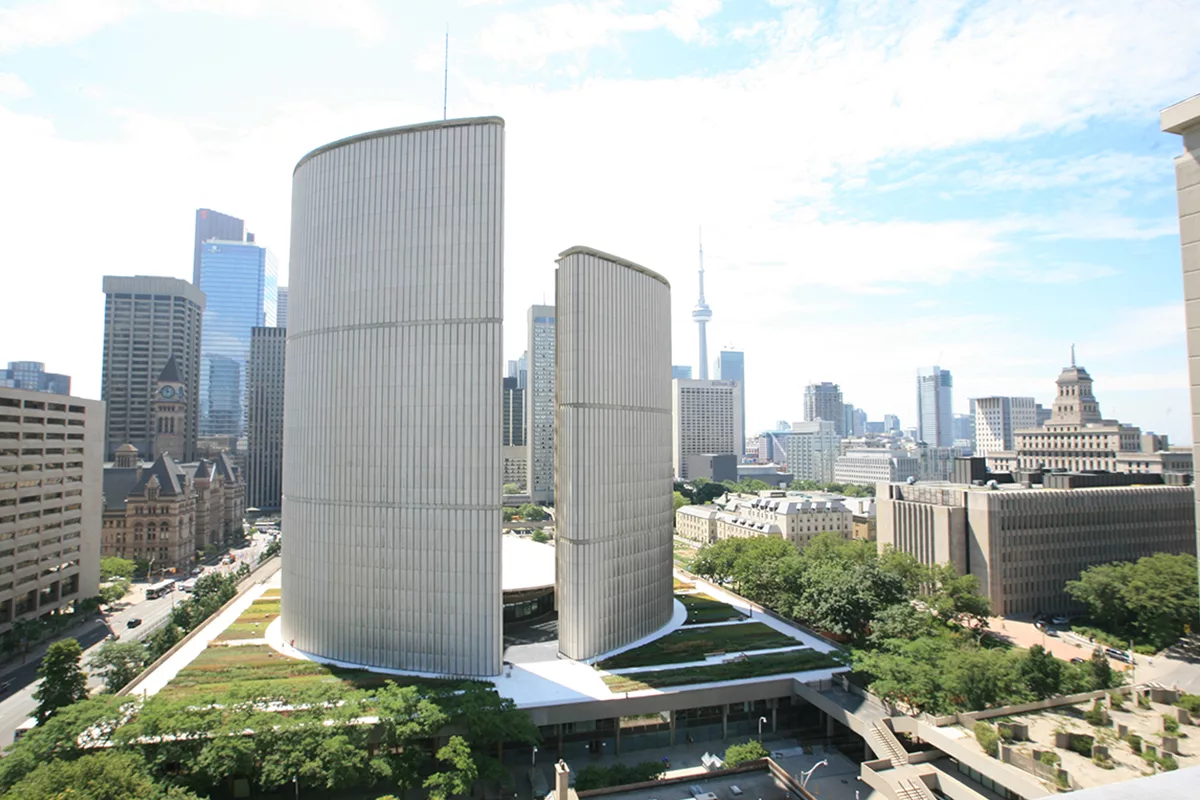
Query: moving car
pixel 1118 655
pixel 133 623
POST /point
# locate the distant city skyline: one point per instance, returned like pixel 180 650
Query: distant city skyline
pixel 825 238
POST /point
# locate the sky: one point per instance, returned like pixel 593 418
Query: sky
pixel 881 185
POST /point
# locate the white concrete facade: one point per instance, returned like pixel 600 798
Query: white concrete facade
pixel 812 448
pixel 706 417
pixel 392 471
pixel 998 418
pixel 696 524
pixel 1183 119
pixel 51 468
pixel 613 452
pixel 870 466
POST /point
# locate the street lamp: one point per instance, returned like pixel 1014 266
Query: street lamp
pixel 761 721
pixel 804 776
pixel 534 760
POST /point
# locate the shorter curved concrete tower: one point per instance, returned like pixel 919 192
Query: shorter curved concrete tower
pixel 612 455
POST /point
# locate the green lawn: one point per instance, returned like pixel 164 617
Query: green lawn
pixel 259 668
pixel 701 609
pixel 253 622
pixel 750 667
pixel 684 554
pixel 693 644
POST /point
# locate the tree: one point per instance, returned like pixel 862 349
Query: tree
pixel 804 486
pixel 532 512
pixel 63 682
pixel 1152 601
pixel 112 567
pixel 114 591
pixel 57 738
pixel 705 491
pixel 680 501
pixel 541 537
pixel 957 599
pixel 512 488
pixel 1042 672
pixel 737 754
pixel 460 774
pixel 119 663
pixel 110 775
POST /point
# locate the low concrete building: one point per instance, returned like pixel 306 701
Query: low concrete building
pixel 713 467
pixel 771 474
pixel 51 457
pixel 1024 543
pixel 696 524
pixel 870 466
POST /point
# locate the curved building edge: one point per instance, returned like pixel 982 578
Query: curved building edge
pixel 580 249
pixel 382 132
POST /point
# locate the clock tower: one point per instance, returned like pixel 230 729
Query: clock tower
pixel 168 407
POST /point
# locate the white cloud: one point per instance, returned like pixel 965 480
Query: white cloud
pixel 13 87
pixel 529 38
pixel 42 23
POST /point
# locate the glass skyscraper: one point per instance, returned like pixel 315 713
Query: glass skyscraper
pixel 730 365
pixel 215 225
pixel 239 280
pixel 935 419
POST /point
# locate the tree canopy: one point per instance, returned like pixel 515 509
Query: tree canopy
pixel 1152 601
pixel 63 681
pixel 112 567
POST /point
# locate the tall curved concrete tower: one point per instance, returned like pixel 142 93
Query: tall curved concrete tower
pixel 392 481
pixel 612 454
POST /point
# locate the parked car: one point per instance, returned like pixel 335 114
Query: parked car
pixel 133 623
pixel 1060 620
pixel 1118 655
pixel 1078 660
pixel 1051 632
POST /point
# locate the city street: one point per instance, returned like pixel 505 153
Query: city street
pixel 18 704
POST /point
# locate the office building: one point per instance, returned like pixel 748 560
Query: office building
pixel 935 418
pixel 684 372
pixel 264 417
pixel 512 413
pixel 1024 544
pixel 706 418
pixel 51 455
pixel 167 513
pixel 1077 437
pixel 1183 119
pixel 32 375
pixel 147 320
pixel 997 419
pixel 392 481
pixel 964 430
pixel 824 401
pixel 854 420
pixel 891 423
pixel 215 225
pixel 613 453
pixel 866 467
pixel 809 449
pixel 281 308
pixel 539 405
pixel 238 281
pixel 514 467
pixel 730 365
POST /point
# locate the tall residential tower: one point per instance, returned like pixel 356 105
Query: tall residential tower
pixel 539 404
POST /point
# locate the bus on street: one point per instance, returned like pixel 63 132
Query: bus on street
pixel 159 589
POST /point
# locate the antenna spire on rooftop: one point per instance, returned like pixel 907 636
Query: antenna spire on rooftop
pixel 446 73
pixel 1072 355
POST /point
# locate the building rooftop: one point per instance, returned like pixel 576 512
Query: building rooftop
pixel 525 564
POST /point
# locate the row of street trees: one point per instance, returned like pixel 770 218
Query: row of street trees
pixel 916 634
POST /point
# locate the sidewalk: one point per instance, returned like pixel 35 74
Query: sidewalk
pixel 20 660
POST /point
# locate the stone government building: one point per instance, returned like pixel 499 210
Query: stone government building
pixel 163 511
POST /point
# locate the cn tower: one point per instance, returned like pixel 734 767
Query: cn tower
pixel 701 314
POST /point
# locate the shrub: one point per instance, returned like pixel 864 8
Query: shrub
pixel 988 739
pixel 1081 743
pixel 1143 701
pixel 1190 703
pixel 1062 780
pixel 1095 714
pixel 617 775
pixel 1135 742
pixel 1104 762
pixel 1168 762
pixel 737 754
pixel 1050 758
pixel 1118 700
pixel 1170 724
